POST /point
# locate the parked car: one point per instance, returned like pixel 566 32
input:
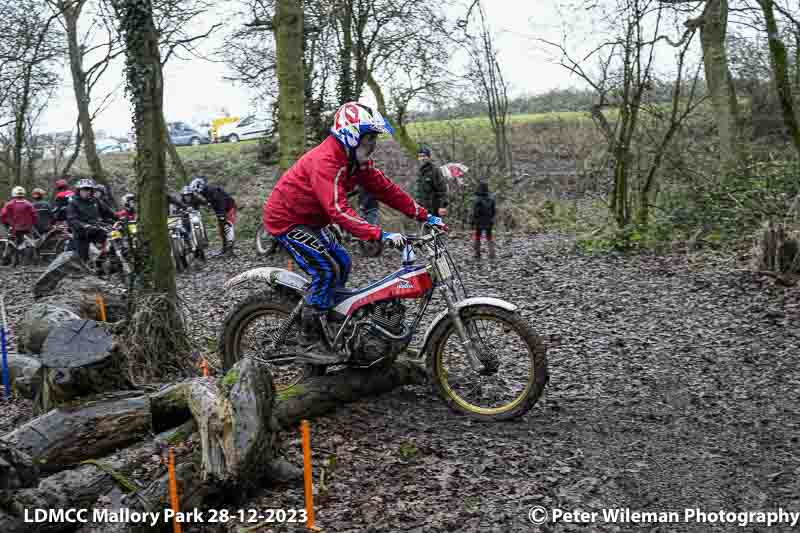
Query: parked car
pixel 107 146
pixel 181 134
pixel 250 127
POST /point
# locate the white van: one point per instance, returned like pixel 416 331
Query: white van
pixel 250 127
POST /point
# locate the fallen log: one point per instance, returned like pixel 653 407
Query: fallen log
pixel 24 374
pixel 17 469
pixel 66 436
pixel 322 394
pixel 81 487
pixel 169 406
pixel 79 358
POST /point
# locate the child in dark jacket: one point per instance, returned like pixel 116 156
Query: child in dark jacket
pixel 483 215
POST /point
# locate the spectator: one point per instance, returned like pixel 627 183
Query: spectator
pixel 19 217
pixel 483 215
pixel 44 211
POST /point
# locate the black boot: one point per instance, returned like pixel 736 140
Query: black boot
pixel 311 345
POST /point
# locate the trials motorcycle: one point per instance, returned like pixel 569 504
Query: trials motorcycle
pixel 481 355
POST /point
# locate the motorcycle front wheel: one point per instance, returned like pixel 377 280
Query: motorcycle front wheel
pixel 514 357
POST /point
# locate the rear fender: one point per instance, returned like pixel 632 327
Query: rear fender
pixel 272 276
pixel 464 304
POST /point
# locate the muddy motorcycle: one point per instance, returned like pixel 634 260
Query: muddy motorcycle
pixel 116 254
pixel 188 238
pixel 482 357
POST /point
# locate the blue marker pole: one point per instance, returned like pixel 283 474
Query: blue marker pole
pixel 6 378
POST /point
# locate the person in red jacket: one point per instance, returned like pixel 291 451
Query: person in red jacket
pixel 19 216
pixel 61 199
pixel 313 194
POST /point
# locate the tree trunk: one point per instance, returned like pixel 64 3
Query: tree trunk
pixel 780 73
pixel 78 359
pixel 21 114
pixel 345 16
pixel 713 31
pixel 146 85
pixel 401 133
pixel 289 44
pixel 71 13
pixel 177 162
pixel 66 436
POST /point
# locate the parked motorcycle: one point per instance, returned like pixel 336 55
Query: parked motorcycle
pixel 483 358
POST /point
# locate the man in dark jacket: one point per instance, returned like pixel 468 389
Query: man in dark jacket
pixel 483 214
pixel 369 206
pixel 44 211
pixel 431 186
pixel 84 212
pixel 223 206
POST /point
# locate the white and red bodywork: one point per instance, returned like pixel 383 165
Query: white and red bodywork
pixel 410 283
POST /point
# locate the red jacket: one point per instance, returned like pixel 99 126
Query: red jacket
pixel 19 214
pixel 314 192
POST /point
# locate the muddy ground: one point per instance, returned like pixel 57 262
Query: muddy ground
pixel 674 383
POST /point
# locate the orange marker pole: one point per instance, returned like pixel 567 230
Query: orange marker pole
pixel 173 490
pixel 101 305
pixel 290 266
pixel 204 366
pixel 307 474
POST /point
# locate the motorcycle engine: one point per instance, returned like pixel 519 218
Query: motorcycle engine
pixel 379 331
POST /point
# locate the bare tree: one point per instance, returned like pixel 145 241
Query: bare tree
pixel 28 56
pixel 623 77
pixel 492 88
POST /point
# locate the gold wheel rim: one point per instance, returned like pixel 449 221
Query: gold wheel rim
pixel 441 372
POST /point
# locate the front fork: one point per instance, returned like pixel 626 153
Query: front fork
pixel 466 340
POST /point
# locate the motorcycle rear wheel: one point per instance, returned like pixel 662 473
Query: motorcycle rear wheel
pixel 452 384
pixel 237 333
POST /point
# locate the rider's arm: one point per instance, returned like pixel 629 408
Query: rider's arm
pixel 4 215
pixel 332 195
pixel 388 192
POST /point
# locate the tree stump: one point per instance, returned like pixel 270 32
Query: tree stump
pixel 37 324
pixel 66 436
pixel 79 359
pixel 235 422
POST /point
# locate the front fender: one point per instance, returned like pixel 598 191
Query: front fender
pixel 272 276
pixel 468 302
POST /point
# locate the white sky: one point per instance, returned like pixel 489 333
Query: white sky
pixel 195 88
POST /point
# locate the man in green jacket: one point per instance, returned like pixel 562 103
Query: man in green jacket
pixel 431 185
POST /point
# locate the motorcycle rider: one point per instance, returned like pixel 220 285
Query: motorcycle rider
pixel 44 211
pixel 224 207
pixel 313 194
pixel 84 211
pixel 61 199
pixel 19 217
pixel 128 207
